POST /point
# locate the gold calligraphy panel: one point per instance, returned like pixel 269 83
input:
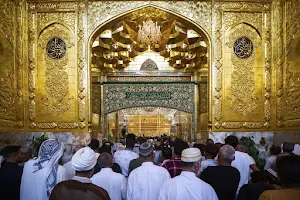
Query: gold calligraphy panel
pixel 57 84
pixel 11 76
pixel 242 67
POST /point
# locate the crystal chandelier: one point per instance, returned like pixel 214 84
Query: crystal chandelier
pixel 149 33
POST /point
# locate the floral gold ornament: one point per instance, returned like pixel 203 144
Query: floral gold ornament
pixel 57 100
pixel 243 99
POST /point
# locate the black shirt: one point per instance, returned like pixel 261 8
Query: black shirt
pixel 224 180
pixel 10 181
pixel 253 191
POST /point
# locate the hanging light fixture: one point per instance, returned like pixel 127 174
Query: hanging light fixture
pixel 149 33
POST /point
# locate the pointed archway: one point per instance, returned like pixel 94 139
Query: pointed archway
pixel 147 33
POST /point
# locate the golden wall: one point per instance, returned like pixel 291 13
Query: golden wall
pixel 286 61
pixel 253 82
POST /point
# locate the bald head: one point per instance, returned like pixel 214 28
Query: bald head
pixel 226 155
pixel 105 160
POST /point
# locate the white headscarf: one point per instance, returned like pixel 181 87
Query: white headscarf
pixel 297 149
pixel 49 155
pixel 40 175
pixel 84 159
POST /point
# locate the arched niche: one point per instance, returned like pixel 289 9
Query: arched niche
pixel 244 80
pixel 97 74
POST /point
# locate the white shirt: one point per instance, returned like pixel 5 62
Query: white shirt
pixel 123 159
pixel 82 179
pixel 242 163
pixel 114 183
pixel 33 185
pixel 207 163
pixel 144 182
pixel 1 160
pixel 187 186
pixel 270 162
pixel 70 172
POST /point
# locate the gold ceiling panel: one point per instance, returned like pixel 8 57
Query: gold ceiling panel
pixel 149 29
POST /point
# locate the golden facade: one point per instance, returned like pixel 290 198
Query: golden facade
pixel 242 58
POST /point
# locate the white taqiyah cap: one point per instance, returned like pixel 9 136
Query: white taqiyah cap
pixel 191 155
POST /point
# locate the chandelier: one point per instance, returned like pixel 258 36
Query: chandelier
pixel 149 33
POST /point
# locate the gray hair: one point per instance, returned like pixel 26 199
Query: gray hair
pixel 26 149
pixel 227 152
pixel 76 148
pixel 105 160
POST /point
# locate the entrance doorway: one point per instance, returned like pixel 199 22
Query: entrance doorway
pixel 149 59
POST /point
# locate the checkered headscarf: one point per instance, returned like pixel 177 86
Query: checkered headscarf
pixel 50 152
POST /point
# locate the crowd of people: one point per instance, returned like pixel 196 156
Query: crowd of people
pixel 161 168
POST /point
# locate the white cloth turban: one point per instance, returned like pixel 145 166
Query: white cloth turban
pixel 84 159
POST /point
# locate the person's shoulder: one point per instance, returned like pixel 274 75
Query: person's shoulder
pixel 115 174
pixel 242 157
pixel 67 164
pixel 230 169
pixel 211 170
pixel 161 169
pixel 29 164
pixel 203 185
pixel 133 154
pixel 61 168
pixel 269 194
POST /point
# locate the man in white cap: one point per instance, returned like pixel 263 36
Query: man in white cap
pixel 187 186
pixel 144 182
pixel 80 187
pixel 70 172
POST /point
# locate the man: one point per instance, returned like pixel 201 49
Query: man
pixel 259 184
pixel 211 151
pixel 167 154
pixel 114 183
pixel 242 162
pixel 145 181
pixel 241 148
pixel 11 173
pixel 187 186
pixel 223 178
pixel 135 163
pixel 70 172
pixel 41 175
pixel 26 154
pixel 94 144
pixel 80 187
pixel 158 157
pixel 209 141
pixel 289 177
pixel 123 157
pixel 174 166
pixel 271 160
